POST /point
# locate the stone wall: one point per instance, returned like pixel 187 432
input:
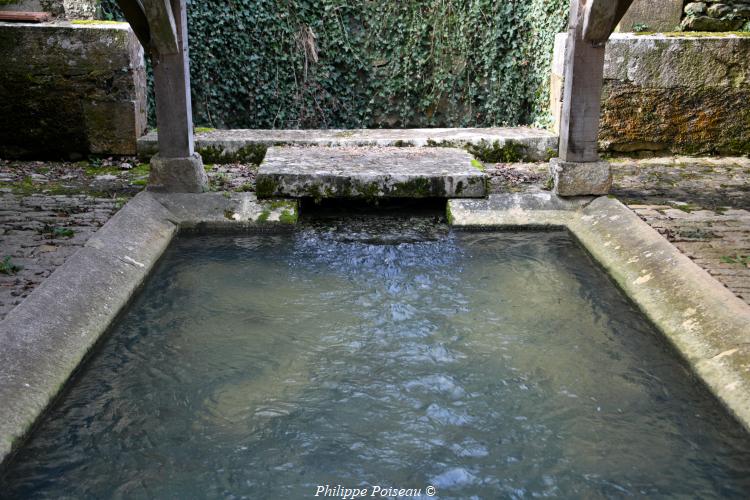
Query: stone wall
pixel 69 90
pixel 716 15
pixel 59 9
pixel 666 16
pixel 682 94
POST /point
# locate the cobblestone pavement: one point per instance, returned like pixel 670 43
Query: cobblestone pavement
pixel 49 209
pixel 38 232
pixel 702 207
pixel 717 241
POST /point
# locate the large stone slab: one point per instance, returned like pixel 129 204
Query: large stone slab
pixel 70 90
pixel 370 173
pixel 676 93
pixel 508 144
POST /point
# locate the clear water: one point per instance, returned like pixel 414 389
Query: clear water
pixel 386 352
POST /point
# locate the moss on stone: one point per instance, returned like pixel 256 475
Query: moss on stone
pixel 369 192
pixel 431 143
pixel 265 187
pixel 696 34
pixel 496 152
pixel 251 153
pixel 414 188
pixel 478 165
pixel 91 21
pixel 288 217
pixel 313 191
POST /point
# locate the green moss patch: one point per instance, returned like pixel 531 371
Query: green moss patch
pixel 252 153
pixel 497 152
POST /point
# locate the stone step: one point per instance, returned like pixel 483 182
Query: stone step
pixel 369 173
pixel 227 146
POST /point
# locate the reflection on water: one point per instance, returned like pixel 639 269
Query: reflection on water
pixel 386 352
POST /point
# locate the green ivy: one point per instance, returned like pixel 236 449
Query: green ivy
pixel 365 63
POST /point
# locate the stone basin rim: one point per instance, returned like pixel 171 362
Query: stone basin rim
pixel 49 336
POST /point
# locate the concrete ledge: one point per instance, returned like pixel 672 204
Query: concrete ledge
pixel 226 146
pixel 45 338
pixel 706 323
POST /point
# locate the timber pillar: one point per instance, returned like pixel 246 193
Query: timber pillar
pixel 161 26
pixel 579 171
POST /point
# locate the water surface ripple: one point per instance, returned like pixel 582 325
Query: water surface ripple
pixel 383 351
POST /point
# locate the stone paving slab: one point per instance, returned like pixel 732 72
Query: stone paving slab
pixel 242 144
pixel 369 173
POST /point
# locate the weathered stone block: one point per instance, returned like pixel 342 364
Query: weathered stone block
pixel 580 179
pixel 61 9
pixel 178 175
pixel 70 90
pixel 652 15
pixel 369 173
pixel 80 9
pixel 680 94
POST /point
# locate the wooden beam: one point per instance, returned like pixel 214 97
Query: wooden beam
pixel 174 117
pixel 134 14
pixel 162 24
pixel 24 17
pixel 600 18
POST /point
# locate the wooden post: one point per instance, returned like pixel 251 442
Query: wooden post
pixel 584 75
pixel 161 26
pixel 578 171
pixel 174 116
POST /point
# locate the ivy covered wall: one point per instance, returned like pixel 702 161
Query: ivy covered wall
pixel 370 63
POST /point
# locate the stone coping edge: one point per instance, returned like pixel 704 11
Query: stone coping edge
pixel 705 322
pixel 249 145
pixel 46 338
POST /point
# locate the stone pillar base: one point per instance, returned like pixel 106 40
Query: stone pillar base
pixel 580 179
pixel 178 175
